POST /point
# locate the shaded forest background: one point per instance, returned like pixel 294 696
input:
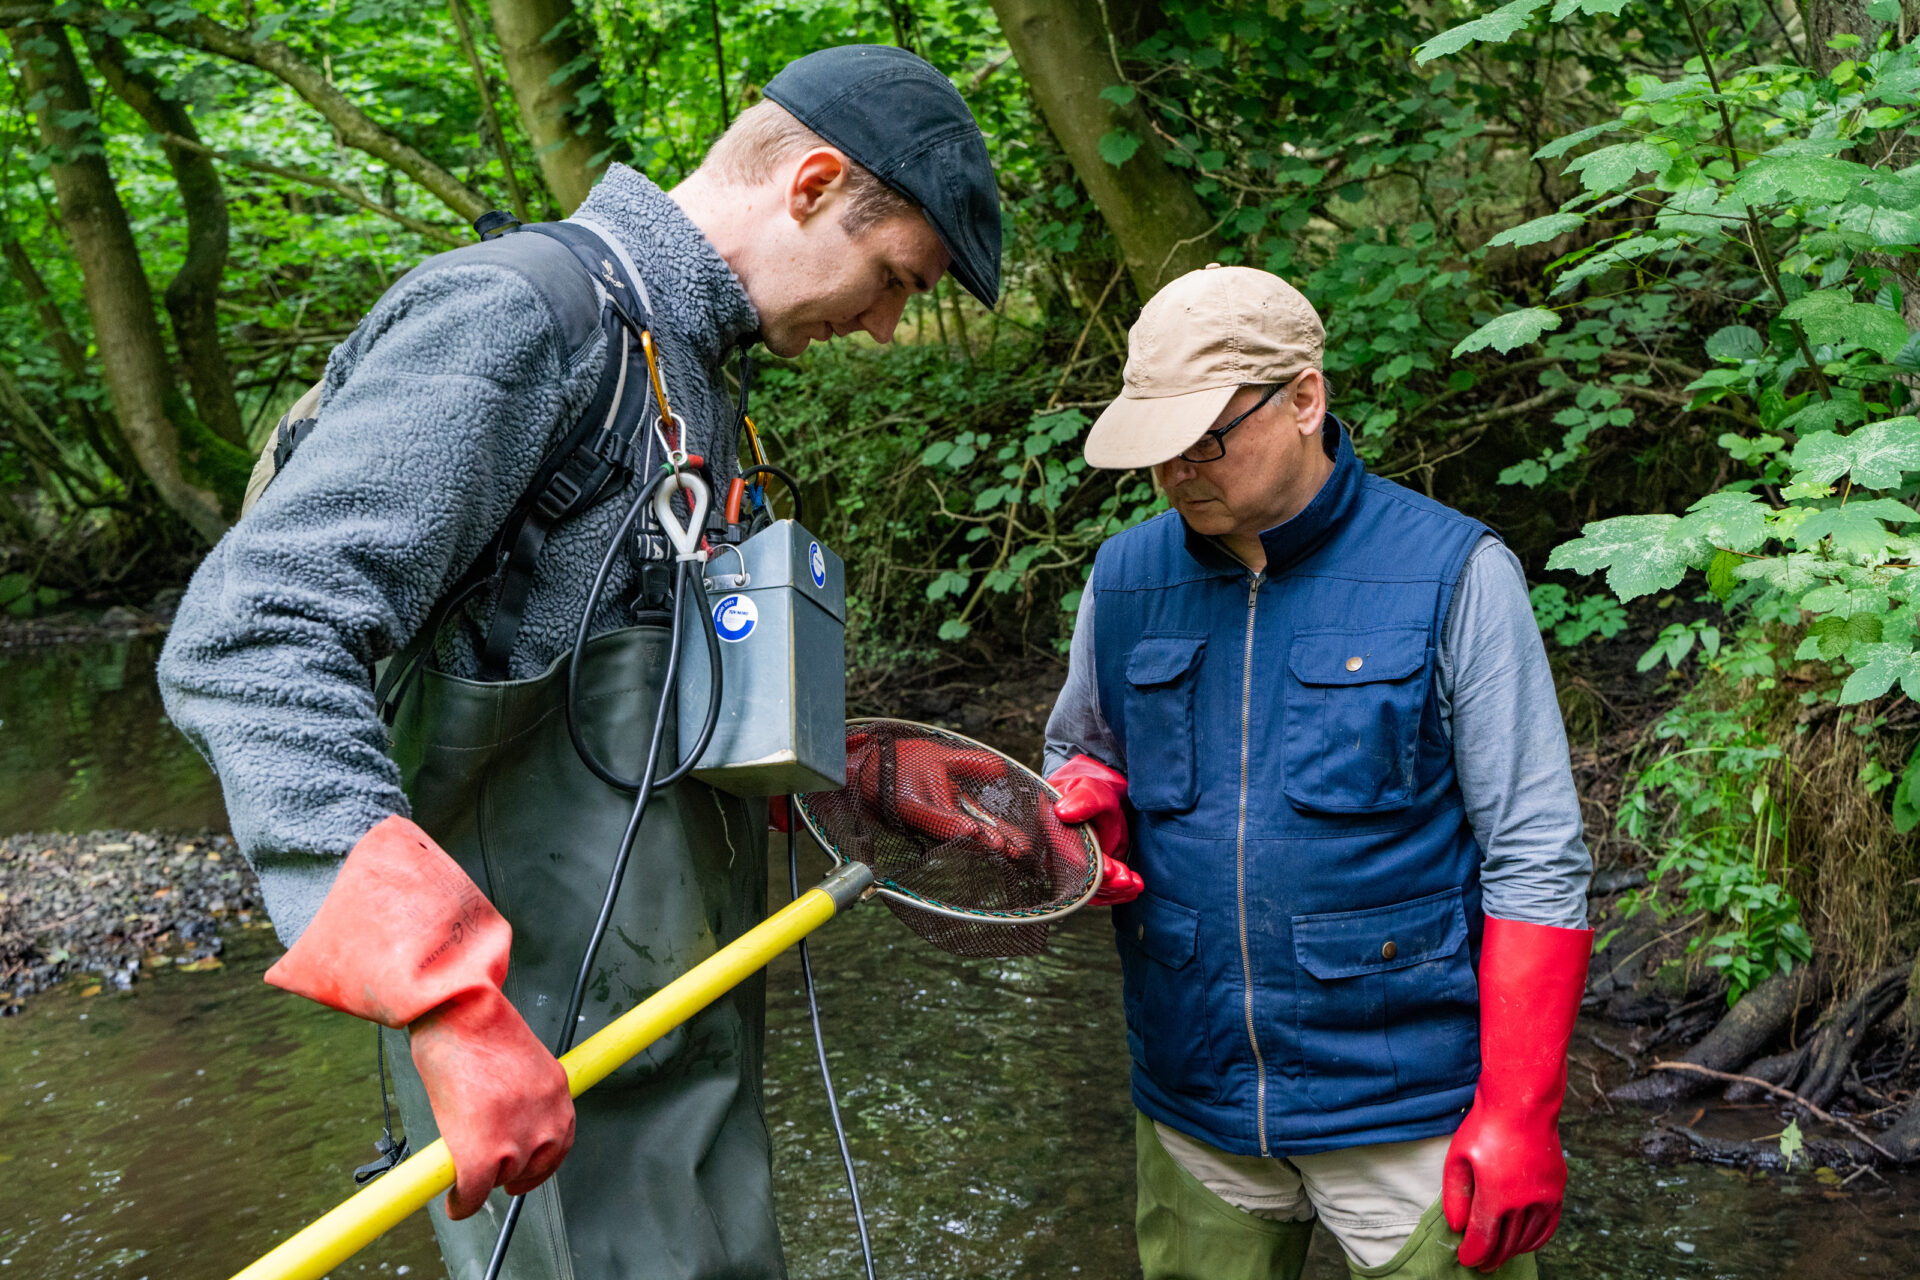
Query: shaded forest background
pixel 1630 280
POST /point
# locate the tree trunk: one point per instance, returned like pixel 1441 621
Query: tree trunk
pixel 567 117
pixel 1829 18
pixel 1159 224
pixel 195 288
pixel 132 353
pixel 101 432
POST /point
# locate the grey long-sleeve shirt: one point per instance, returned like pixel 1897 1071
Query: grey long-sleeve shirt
pixel 1498 706
pixel 434 416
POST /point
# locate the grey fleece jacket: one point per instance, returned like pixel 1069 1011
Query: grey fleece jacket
pixel 434 416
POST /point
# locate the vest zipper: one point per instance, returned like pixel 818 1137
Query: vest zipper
pixel 1240 861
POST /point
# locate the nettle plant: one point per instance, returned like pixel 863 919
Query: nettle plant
pixel 1783 193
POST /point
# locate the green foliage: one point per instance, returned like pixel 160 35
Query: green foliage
pixel 1705 802
pixel 1770 179
pixel 1572 621
pixel 1791 1143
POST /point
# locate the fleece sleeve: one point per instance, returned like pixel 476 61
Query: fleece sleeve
pixel 1510 747
pixel 450 396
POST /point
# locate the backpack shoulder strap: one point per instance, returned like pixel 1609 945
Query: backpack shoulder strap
pixel 601 446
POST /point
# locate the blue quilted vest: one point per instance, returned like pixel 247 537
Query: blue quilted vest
pixel 1299 975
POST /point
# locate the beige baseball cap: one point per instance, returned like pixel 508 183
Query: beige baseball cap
pixel 1199 340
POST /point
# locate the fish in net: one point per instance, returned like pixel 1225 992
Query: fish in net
pixel 962 840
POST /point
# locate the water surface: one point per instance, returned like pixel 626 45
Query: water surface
pixel 179 1130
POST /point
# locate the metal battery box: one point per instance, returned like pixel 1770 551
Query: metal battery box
pixel 779 603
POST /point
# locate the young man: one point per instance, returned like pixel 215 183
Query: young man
pixel 860 180
pixel 1317 706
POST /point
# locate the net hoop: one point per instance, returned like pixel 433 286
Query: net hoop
pixel 1095 862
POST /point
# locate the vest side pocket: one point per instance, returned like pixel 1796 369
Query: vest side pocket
pixel 1162 671
pixel 1163 995
pixel 1351 726
pixel 1387 1006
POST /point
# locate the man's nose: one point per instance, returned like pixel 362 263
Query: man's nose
pixel 1176 471
pixel 883 317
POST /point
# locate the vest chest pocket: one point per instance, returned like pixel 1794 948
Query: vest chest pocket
pixel 1161 673
pixel 1351 731
pixel 1386 1003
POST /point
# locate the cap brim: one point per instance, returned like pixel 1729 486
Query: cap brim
pixel 1144 432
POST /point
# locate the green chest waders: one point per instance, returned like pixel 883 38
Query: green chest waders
pixel 669 1177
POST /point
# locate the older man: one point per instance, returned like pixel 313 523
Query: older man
pixel 858 183
pixel 1312 712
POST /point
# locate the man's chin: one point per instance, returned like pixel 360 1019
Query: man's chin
pixel 786 345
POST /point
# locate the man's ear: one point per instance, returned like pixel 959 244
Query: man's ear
pixel 817 180
pixel 1308 396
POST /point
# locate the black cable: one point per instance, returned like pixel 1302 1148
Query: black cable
pixel 712 721
pixel 793 486
pixel 819 1041
pixel 688 589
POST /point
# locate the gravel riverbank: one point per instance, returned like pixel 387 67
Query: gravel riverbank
pixel 114 904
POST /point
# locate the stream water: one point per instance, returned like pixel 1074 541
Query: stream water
pixel 179 1129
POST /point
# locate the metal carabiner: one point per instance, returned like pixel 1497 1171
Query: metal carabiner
pixel 684 537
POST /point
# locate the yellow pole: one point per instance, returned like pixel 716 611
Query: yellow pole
pixel 412 1184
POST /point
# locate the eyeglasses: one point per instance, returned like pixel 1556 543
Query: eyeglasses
pixel 1212 446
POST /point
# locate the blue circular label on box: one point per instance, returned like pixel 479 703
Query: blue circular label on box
pixel 735 618
pixel 817 561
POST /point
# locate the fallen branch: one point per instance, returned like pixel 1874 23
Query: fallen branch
pixel 1788 1094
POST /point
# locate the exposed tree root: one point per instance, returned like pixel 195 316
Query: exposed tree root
pixel 1748 1028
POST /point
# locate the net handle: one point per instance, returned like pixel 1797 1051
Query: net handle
pixel 1084 830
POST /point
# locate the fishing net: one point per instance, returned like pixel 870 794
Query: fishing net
pixel 962 840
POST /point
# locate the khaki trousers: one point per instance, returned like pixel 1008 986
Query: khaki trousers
pixel 1206 1214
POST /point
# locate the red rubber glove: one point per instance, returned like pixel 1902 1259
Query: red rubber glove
pixel 1091 792
pixel 1505 1177
pixel 779 815
pixel 919 784
pixel 405 939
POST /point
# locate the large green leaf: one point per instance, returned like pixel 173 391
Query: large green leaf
pixel 1736 342
pixel 1117 147
pixel 1800 179
pixel 1832 316
pixel 1641 554
pixel 1538 230
pixel 1877 667
pixel 1877 455
pixel 1514 329
pixel 1736 521
pixel 1560 146
pixel 1855 528
pixel 1610 168
pixel 1789 575
pixel 1502 24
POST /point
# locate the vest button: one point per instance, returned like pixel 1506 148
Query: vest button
pixel 1387 950
pixel 1353 663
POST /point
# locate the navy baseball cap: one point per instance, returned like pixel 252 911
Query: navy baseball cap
pixel 896 116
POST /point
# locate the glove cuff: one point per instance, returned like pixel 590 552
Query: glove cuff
pixel 403 931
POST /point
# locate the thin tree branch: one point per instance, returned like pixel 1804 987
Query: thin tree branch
pixel 464 23
pixel 1776 1090
pixel 274 57
pixel 347 189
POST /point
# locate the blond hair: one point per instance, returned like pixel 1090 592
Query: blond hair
pixel 767 134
